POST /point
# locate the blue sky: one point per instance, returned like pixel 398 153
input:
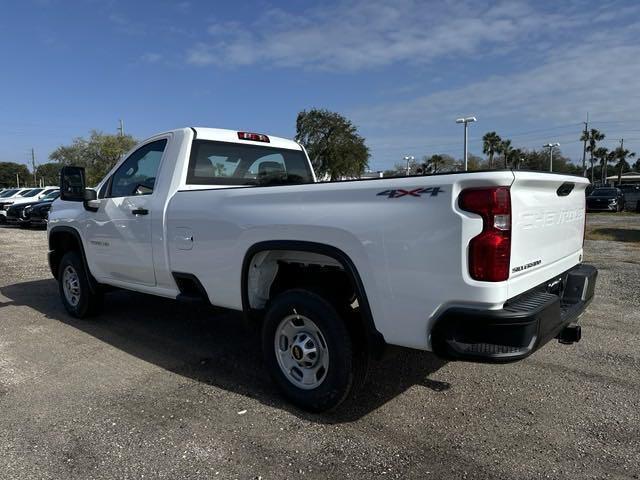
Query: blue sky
pixel 401 70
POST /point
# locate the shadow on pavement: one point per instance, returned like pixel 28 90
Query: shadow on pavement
pixel 617 234
pixel 214 347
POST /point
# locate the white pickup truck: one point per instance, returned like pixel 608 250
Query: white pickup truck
pixel 482 266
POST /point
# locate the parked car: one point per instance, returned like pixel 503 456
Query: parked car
pixel 608 199
pixel 31 213
pixel 37 214
pixel 475 266
pixel 35 194
pixel 631 197
pixel 8 197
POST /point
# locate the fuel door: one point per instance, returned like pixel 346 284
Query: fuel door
pixel 183 238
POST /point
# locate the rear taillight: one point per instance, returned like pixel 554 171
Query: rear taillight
pixel 490 251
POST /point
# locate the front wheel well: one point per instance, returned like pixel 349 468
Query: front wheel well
pixel 61 242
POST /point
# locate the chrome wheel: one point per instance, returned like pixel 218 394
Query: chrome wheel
pixel 301 351
pixel 71 285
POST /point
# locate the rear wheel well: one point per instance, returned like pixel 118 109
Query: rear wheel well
pixel 323 270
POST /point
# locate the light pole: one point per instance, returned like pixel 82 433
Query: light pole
pixel 466 121
pixel 551 146
pixel 408 158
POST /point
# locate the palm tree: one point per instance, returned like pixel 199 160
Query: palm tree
pixel 593 137
pixel 602 154
pixel 610 158
pixel 515 158
pixel 490 145
pixel 505 150
pixel 621 154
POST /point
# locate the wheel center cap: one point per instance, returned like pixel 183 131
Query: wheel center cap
pixel 296 351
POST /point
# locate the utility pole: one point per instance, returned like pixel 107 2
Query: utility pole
pixel 465 121
pixel 18 180
pixel 121 128
pixel 584 147
pixel 620 159
pixel 33 164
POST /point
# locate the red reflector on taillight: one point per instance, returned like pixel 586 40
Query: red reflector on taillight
pixel 490 251
pixel 256 137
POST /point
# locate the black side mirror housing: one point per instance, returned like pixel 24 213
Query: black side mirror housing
pixel 72 184
pixel 91 202
pixel 90 194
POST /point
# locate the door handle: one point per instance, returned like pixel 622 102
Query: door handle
pixel 140 211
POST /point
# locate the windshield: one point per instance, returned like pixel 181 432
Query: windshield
pixel 52 195
pixel 605 192
pixel 219 163
pixel 8 193
pixel 32 193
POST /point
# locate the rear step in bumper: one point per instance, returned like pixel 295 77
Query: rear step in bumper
pixel 525 324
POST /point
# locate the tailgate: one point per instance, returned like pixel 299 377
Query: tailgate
pixel 548 215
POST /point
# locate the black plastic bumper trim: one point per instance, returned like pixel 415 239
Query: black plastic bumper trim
pixel 522 326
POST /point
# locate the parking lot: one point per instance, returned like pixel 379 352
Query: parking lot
pixel 154 389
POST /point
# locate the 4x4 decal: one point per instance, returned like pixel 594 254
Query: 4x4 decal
pixel 416 192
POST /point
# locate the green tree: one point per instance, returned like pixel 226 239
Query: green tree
pixel 602 154
pixel 334 146
pixel 622 154
pixel 400 169
pixel 514 158
pixel 8 172
pixel 592 137
pixel 491 145
pixel 505 150
pixel 438 163
pixel 539 160
pixel 49 173
pixel 97 154
pixel 474 162
pixel 636 166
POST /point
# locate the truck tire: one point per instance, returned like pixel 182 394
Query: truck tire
pixel 308 350
pixel 75 292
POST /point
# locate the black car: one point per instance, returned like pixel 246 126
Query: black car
pixel 32 213
pixel 605 199
pixel 631 197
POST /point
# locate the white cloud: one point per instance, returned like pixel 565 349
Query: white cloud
pixel 151 57
pixel 370 34
pixel 551 64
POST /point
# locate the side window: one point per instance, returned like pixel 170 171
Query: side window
pixel 103 189
pixel 137 175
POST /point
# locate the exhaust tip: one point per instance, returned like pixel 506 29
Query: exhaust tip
pixel 570 334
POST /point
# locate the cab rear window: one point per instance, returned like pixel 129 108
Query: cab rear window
pixel 222 163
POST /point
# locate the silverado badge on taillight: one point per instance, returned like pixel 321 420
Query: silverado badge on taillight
pixel 490 251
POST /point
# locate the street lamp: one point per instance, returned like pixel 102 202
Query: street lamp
pixel 550 146
pixel 408 158
pixel 465 120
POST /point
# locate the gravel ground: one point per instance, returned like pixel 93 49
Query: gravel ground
pixel 151 389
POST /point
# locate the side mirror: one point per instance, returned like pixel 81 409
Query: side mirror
pixel 91 202
pixel 90 194
pixel 72 184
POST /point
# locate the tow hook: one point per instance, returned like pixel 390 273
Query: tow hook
pixel 570 334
